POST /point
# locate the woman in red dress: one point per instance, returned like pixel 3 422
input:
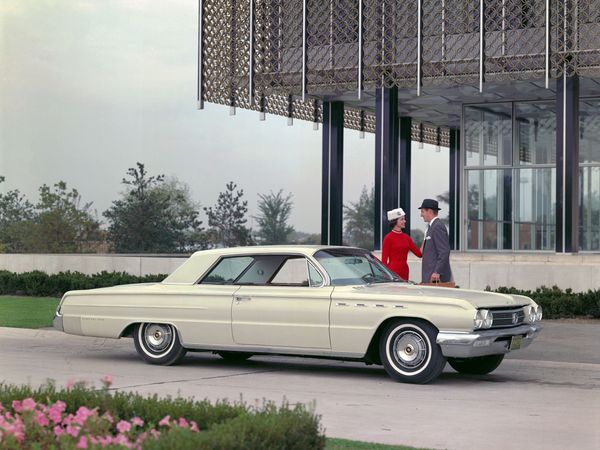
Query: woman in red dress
pixel 396 244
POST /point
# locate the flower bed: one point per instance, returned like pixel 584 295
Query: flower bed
pixel 78 417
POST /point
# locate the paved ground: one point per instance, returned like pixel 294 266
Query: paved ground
pixel 543 397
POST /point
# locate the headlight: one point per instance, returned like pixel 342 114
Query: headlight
pixel 538 313
pixel 483 319
pixel 533 313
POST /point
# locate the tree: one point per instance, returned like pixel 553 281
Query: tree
pixel 227 218
pixel 154 215
pixel 58 223
pixel 417 236
pixel 62 222
pixel 274 214
pixel 16 214
pixel 360 220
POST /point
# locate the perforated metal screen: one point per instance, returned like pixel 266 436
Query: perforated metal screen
pixel 285 56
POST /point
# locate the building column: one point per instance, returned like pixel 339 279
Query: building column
pixel 332 173
pixel 454 189
pixel 567 164
pixel 386 159
pixel 404 164
pixel 392 161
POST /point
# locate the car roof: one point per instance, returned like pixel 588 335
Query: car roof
pixel 197 264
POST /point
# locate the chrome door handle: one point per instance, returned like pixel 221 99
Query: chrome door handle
pixel 239 298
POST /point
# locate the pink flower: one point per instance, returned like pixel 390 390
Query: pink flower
pixel 164 422
pixel 123 426
pixel 73 430
pixel 106 380
pixel 108 417
pixel 58 431
pixel 82 442
pixel 194 427
pixel 28 404
pixel 83 413
pixel 55 415
pixel 16 404
pixel 41 419
pixel 183 423
pixel 137 421
pixel 155 434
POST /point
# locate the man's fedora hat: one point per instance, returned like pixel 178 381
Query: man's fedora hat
pixel 430 203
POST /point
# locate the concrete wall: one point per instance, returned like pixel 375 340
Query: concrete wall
pixel 579 272
pixel 91 263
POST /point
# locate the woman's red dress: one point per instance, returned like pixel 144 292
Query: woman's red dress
pixel 394 252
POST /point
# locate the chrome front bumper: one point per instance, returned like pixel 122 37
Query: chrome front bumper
pixel 485 342
pixel 58 322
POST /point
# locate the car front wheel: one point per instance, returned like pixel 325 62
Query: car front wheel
pixel 480 365
pixel 158 343
pixel 409 352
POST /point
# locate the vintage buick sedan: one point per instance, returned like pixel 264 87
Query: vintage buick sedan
pixel 320 301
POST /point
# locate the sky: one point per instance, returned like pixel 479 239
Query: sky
pixel 90 87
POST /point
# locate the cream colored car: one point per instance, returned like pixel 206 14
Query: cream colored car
pixel 335 302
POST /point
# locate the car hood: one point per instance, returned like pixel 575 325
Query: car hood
pixel 400 291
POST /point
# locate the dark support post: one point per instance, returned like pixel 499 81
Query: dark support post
pixel 386 159
pixel 567 164
pixel 332 168
pixel 404 158
pixel 454 189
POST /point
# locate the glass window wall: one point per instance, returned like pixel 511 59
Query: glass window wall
pixel 589 174
pixel 510 151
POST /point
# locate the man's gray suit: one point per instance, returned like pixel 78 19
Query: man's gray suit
pixel 436 253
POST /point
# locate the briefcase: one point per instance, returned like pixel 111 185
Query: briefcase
pixel 446 284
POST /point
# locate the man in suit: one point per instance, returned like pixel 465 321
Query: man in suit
pixel 436 245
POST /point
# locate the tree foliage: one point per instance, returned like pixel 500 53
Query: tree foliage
pixel 154 215
pixel 360 220
pixel 227 218
pixel 58 223
pixel 274 213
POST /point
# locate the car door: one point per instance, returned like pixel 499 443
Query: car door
pixel 206 317
pixel 290 310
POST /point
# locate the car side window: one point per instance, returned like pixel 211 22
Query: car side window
pixel 315 277
pixel 261 271
pixel 293 272
pixel 227 270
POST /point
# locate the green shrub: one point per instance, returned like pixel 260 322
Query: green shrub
pixel 40 284
pixel 270 428
pixel 557 303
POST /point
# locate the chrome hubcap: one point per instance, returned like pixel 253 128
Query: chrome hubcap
pixel 410 349
pixel 158 337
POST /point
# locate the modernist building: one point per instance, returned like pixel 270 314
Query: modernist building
pixel 511 87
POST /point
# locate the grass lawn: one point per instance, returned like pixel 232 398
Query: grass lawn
pixel 27 312
pixel 344 444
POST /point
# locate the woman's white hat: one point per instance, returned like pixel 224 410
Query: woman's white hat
pixel 395 214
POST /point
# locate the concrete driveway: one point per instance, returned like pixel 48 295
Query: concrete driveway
pixel 544 397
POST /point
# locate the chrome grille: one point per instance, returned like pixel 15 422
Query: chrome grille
pixel 508 317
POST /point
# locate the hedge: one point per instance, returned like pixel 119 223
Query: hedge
pixel 557 303
pixel 40 284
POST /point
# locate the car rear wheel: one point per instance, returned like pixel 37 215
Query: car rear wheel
pixel 158 343
pixel 234 356
pixel 480 365
pixel 409 352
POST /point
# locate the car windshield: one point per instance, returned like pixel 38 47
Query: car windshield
pixel 353 266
